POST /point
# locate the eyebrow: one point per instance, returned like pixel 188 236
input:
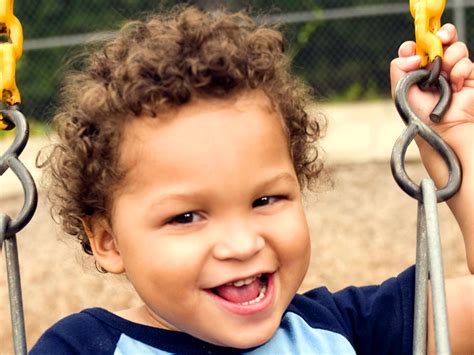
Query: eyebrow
pixel 281 177
pixel 185 196
pixel 177 196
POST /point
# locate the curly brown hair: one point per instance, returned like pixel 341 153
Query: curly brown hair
pixel 156 65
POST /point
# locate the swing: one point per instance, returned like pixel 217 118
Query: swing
pixel 427 14
pixel 11 117
pixel 429 263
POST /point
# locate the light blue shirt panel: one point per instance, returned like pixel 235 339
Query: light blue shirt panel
pixel 130 346
pixel 294 336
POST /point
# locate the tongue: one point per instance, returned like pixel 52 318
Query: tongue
pixel 239 294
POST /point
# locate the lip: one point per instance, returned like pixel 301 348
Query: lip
pixel 249 309
pixel 242 276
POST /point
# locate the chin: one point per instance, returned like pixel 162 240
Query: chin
pixel 243 343
pixel 250 339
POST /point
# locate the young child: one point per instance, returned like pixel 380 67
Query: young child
pixel 184 148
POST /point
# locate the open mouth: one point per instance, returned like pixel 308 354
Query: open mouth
pixel 245 296
pixel 244 292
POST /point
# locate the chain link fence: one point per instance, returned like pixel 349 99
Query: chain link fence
pixel 342 48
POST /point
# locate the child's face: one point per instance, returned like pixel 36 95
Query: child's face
pixel 211 197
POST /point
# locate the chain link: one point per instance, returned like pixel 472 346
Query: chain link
pixel 416 127
pixel 9 160
pixel 427 15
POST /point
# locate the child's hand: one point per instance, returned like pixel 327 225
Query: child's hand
pixel 459 70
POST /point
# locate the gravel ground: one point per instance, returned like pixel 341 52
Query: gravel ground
pixel 363 231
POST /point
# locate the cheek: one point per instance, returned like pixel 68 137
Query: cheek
pixel 164 262
pixel 294 236
pixel 293 250
pixel 297 246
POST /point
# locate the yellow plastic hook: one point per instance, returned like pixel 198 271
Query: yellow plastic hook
pixel 427 15
pixel 10 51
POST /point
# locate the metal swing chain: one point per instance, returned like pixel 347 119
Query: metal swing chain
pixel 11 117
pixel 429 263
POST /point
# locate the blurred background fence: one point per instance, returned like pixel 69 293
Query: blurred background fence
pixel 340 47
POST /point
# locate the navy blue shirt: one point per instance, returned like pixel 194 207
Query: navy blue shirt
pixel 362 320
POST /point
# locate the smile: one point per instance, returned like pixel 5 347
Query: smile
pixel 246 296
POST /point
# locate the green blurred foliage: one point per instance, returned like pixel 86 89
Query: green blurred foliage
pixel 44 18
pixel 350 58
pixel 342 60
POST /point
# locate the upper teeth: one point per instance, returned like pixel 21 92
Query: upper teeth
pixel 243 282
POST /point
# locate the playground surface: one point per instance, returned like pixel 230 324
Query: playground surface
pixel 363 231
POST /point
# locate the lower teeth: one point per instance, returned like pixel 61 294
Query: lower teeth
pixel 261 294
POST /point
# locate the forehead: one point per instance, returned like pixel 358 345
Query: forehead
pixel 206 135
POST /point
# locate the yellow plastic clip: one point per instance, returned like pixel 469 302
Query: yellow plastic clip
pixel 427 15
pixel 10 51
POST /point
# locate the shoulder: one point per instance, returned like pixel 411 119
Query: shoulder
pixel 85 332
pixel 96 331
pixel 371 318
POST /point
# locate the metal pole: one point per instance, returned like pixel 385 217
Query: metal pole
pixel 440 315
pixel 421 285
pixel 14 288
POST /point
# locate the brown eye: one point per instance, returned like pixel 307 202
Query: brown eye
pixel 265 200
pixel 185 218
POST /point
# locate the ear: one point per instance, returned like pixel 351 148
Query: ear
pixel 103 243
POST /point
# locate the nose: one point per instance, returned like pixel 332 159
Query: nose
pixel 238 242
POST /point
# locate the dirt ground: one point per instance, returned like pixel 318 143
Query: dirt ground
pixel 363 231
